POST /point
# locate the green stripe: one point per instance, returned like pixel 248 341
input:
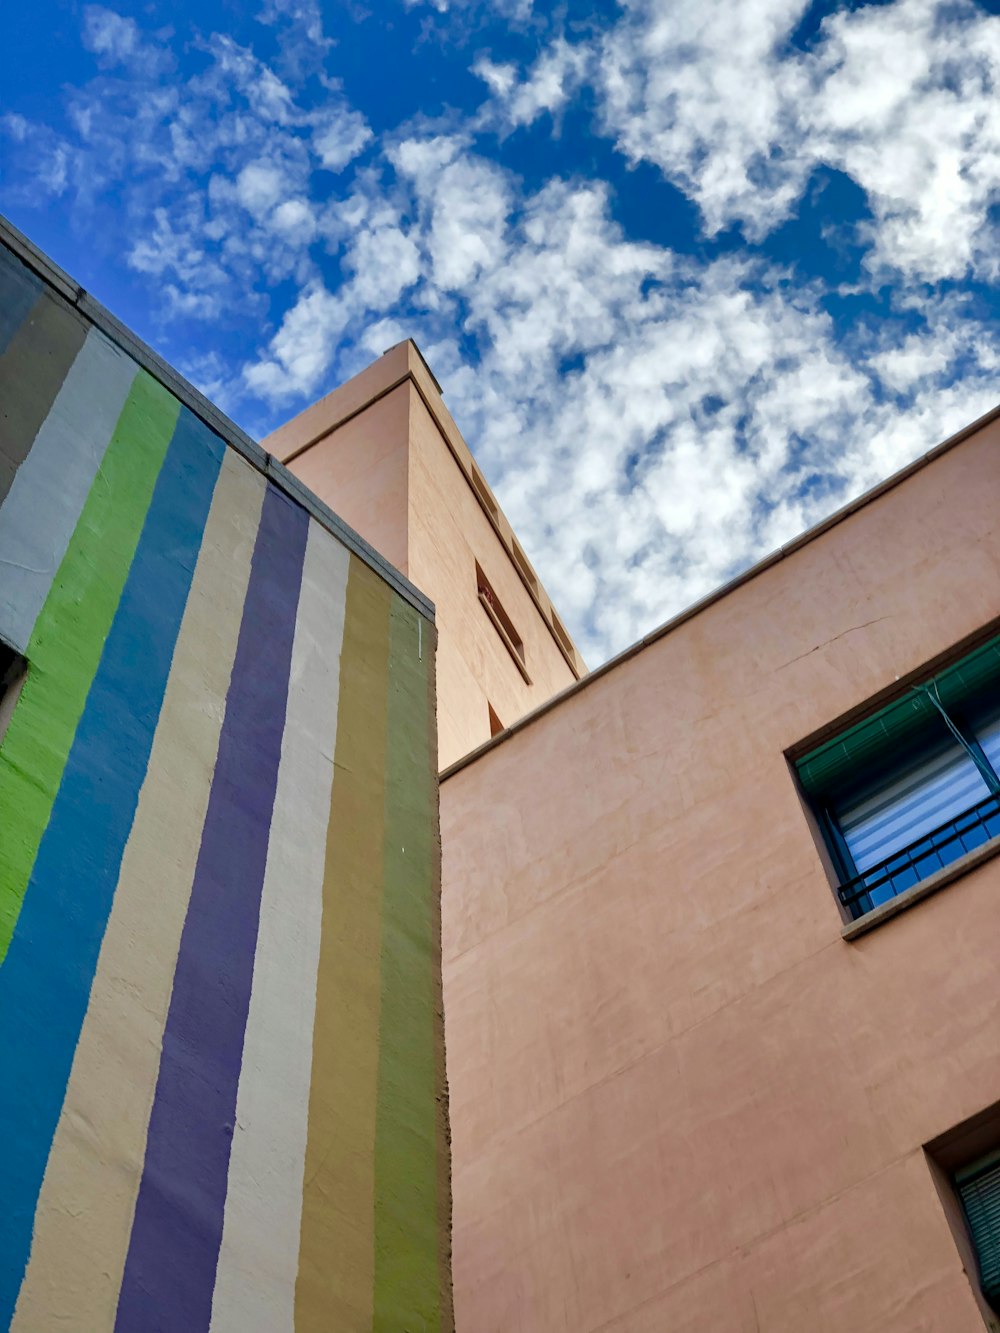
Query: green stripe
pixel 407 1277
pixel 69 635
pixel 444 1199
pixel 335 1285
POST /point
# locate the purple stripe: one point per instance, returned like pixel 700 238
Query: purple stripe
pixel 174 1248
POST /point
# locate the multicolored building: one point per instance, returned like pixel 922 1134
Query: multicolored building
pixel 222 1091
pixel 721 918
pixel 719 921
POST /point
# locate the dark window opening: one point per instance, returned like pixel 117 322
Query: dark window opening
pixel 561 634
pixel 978 1188
pixel 498 615
pixel 522 563
pixel 483 491
pixel 965 1168
pixel 13 669
pixel 913 787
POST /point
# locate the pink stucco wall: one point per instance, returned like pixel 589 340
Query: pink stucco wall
pixel 448 533
pixel 383 451
pixel 680 1100
pixel 362 472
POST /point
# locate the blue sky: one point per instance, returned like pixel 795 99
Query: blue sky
pixel 692 274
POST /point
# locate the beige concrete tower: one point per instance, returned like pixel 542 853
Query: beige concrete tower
pixel 384 452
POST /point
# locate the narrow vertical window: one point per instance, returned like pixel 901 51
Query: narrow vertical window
pixel 502 622
pixel 561 634
pixel 13 669
pixel 483 491
pixel 521 561
pixel 978 1187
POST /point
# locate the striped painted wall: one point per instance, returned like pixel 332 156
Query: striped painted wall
pixel 221 1066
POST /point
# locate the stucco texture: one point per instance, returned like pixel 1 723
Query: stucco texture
pixel 221 1066
pixel 680 1099
pixel 384 452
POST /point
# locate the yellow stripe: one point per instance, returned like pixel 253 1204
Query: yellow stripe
pixel 336 1256
pixel 87 1200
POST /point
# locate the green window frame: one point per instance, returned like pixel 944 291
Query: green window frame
pixel 913 786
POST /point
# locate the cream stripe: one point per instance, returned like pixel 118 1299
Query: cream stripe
pixel 258 1261
pixel 51 485
pixel 87 1200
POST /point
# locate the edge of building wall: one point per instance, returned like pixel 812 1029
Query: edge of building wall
pixel 192 398
pixel 415 370
pixel 717 594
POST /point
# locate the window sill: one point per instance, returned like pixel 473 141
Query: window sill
pixel 498 626
pixel 922 890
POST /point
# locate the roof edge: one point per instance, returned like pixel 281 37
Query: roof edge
pixel 724 589
pixel 404 363
pixel 216 420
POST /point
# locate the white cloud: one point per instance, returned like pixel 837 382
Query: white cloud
pixel 556 74
pixel 464 199
pixel 299 24
pixel 499 78
pixel 116 40
pixel 651 424
pixel 339 135
pixel 217 172
pixel 909 106
pixel 295 220
pixel 515 11
pixel 259 186
pixel 301 349
pixel 651 421
pixel 902 97
pixel 109 35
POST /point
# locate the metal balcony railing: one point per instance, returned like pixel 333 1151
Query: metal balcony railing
pixel 922 858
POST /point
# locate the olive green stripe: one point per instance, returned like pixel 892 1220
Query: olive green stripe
pixel 68 638
pixel 444 1218
pixel 407 1277
pixel 335 1278
pixel 32 369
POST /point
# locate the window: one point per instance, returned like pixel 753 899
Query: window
pixel 483 491
pixel 561 634
pixel 965 1168
pixel 913 787
pixel 502 622
pixel 522 563
pixel 978 1188
pixel 12 672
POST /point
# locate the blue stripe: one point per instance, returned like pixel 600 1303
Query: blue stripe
pixel 48 972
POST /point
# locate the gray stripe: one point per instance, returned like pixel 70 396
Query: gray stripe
pixel 32 370
pixel 19 290
pixel 51 485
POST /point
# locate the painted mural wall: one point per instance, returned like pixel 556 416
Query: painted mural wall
pixel 221 1057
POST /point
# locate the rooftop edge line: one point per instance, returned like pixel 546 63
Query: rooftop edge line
pixel 717 594
pixel 272 467
pixel 411 367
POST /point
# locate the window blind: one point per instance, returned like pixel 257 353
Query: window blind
pixel 918 798
pixel 979 1189
pixel 899 722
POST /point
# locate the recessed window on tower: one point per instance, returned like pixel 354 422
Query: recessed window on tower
pixel 502 622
